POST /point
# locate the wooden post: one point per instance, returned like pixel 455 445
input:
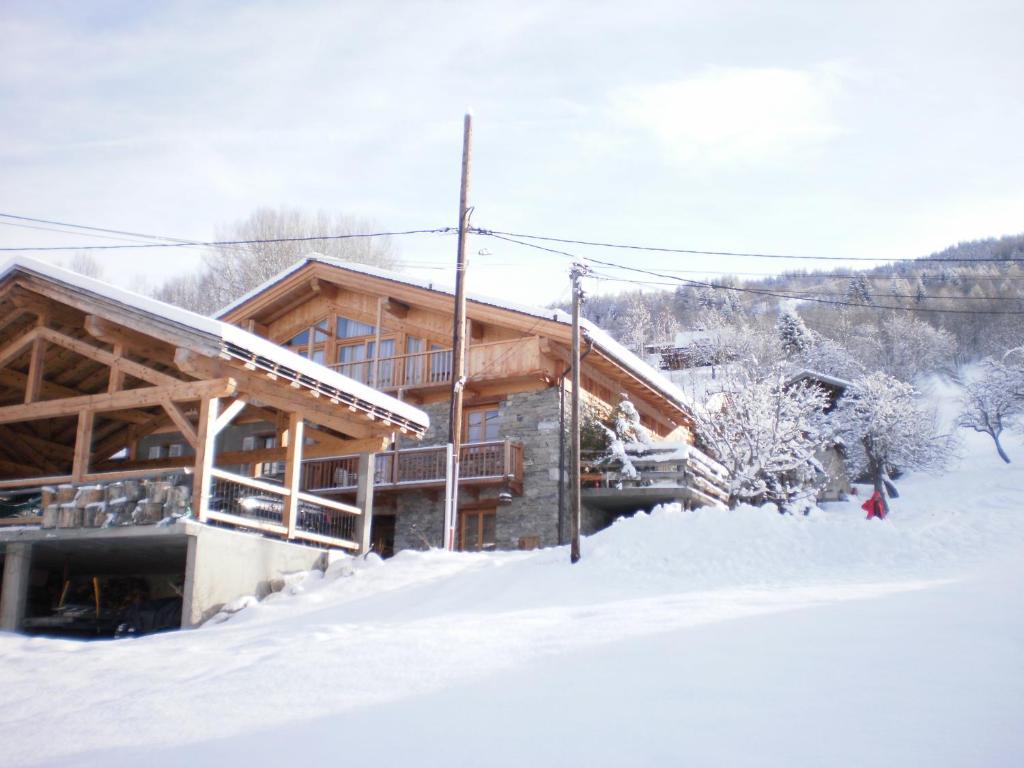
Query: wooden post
pixel 115 382
pixel 206 436
pixel 574 467
pixel 364 500
pixel 374 377
pixel 83 446
pixel 458 341
pixel 293 471
pixel 34 385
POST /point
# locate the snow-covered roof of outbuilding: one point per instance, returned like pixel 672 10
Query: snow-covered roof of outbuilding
pixel 228 339
pixel 598 337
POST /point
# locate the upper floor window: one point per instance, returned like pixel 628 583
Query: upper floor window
pixel 348 328
pixel 311 342
pixel 482 424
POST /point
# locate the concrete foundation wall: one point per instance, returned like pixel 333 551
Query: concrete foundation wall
pixel 531 418
pixel 224 565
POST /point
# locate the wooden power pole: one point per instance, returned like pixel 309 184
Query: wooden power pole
pixel 578 270
pixel 451 515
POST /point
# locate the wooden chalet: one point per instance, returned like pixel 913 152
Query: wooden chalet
pixel 395 334
pixel 89 374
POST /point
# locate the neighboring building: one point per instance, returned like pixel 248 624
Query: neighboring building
pixel 395 333
pixel 833 456
pixel 131 433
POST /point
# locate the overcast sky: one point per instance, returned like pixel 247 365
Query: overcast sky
pixel 847 129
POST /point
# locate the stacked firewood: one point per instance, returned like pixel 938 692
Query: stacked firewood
pixel 127 502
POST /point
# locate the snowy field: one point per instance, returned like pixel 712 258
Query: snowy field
pixel 699 639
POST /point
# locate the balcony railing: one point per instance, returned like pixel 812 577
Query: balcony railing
pixel 492 462
pixel 434 368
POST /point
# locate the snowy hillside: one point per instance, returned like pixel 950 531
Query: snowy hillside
pixel 707 638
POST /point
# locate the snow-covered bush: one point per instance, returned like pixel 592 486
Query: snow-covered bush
pixel 766 433
pixel 886 430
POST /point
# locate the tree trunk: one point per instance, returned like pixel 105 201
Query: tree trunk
pixel 878 481
pixel 999 449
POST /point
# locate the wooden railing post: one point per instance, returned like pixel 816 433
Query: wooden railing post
pixel 293 471
pixel 206 436
pixel 364 500
pixel 508 458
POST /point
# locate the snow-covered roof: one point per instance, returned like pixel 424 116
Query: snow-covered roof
pixel 824 378
pixel 599 338
pixel 229 339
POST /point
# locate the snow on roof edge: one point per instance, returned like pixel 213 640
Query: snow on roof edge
pixel 220 332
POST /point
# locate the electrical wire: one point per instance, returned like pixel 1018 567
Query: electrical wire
pixel 660 249
pixel 755 291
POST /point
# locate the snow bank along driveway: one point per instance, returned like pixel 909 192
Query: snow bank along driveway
pixel 707 638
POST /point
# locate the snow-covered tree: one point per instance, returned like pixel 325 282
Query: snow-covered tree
pixel 627 437
pixel 991 402
pixel 793 332
pixel 886 430
pixel 766 433
pixel 633 322
pixel 858 291
pixel 908 348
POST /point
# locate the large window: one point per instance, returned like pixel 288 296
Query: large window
pixel 477 529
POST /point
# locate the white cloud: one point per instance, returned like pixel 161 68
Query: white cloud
pixel 734 116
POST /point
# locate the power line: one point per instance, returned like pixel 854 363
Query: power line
pixel 211 243
pixel 755 291
pixel 800 294
pixel 67 232
pixel 97 229
pixel 660 249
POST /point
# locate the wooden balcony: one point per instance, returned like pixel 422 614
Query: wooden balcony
pixel 497 462
pixel 694 479
pixel 433 369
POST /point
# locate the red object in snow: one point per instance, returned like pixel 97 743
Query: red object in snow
pixel 875 506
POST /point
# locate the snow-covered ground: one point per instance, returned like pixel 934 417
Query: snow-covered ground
pixel 708 638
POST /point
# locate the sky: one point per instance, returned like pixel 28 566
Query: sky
pixel 853 129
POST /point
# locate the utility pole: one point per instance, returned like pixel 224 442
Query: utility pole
pixel 577 271
pixel 451 512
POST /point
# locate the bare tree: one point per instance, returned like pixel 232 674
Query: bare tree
pixel 85 263
pixel 229 271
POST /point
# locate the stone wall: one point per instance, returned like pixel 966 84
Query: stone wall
pixel 531 418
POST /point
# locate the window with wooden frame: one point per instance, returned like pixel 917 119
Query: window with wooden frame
pixel 481 423
pixel 312 342
pixel 477 529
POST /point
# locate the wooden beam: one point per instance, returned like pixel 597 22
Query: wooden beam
pixel 205 446
pixel 183 424
pixel 229 414
pixel 115 379
pixel 397 308
pixel 14 348
pixel 293 472
pixel 83 446
pixel 17 379
pixel 139 371
pixel 127 400
pixel 111 333
pixel 131 436
pixel 256 387
pixel 36 364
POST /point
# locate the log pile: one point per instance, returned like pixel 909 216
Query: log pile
pixel 125 502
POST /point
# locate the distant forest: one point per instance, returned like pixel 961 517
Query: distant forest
pixel 966 304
